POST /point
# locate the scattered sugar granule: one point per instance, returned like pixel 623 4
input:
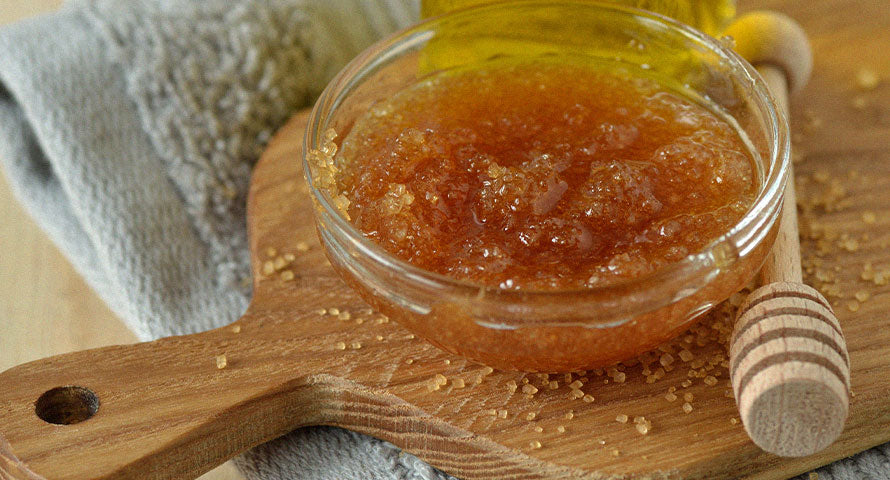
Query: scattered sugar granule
pixel 530 416
pixel 378 338
pixel 615 452
pixel 511 386
pixel 539 429
pixel 321 311
pixel 502 413
pixel 670 397
pixel 710 380
pixel 268 268
pixel 561 429
pixel 619 377
pixel 271 252
pixel 643 428
pixel 867 79
pixel 849 244
pixel 554 384
pixel 458 382
pixel 869 217
pixel 440 379
pixel 859 102
pixel 334 311
pixel 279 263
pixel 666 359
pixel 409 361
pixel 686 356
pixel 813 476
pixel 236 328
pixel 570 415
pixel 821 176
pixel 340 346
pixel 853 306
pixel 287 275
pixel 290 257
pixel 344 316
pixel 221 361
pixel 734 421
pixel 356 345
pixel 687 407
pixel 576 385
pixel 535 444
pixel 576 394
pixel 302 247
pixel 622 418
pixel 529 389
pixel 447 361
pixel 862 295
pixel 588 398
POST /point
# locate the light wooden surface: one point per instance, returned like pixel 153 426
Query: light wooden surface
pixel 45 306
pixel 845 129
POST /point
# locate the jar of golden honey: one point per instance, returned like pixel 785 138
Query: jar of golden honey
pixel 546 186
pixel 709 16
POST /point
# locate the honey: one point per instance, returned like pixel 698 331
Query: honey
pixel 709 16
pixel 543 175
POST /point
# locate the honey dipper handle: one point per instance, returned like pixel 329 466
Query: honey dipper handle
pixel 783 262
pixel 789 365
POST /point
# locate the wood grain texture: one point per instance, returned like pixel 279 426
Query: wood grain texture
pixel 285 366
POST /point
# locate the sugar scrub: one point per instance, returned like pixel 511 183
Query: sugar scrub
pixel 542 175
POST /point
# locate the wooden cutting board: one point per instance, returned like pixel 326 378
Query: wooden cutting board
pixel 286 364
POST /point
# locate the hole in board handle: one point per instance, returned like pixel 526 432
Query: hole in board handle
pixel 67 405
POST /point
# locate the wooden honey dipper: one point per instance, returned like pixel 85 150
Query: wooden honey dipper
pixel 789 365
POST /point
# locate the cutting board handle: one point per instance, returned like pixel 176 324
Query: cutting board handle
pixel 171 408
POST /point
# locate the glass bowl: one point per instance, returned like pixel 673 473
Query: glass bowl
pixel 552 330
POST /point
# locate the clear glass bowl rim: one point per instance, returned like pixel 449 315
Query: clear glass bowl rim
pixel 741 238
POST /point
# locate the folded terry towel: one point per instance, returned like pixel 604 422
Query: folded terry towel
pixel 129 129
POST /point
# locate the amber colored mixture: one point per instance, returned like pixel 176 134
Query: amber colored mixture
pixel 543 176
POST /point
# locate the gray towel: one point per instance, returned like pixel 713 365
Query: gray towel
pixel 129 129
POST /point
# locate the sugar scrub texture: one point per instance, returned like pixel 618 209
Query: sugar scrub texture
pixel 511 175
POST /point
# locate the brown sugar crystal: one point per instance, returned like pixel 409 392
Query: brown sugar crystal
pixel 510 176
